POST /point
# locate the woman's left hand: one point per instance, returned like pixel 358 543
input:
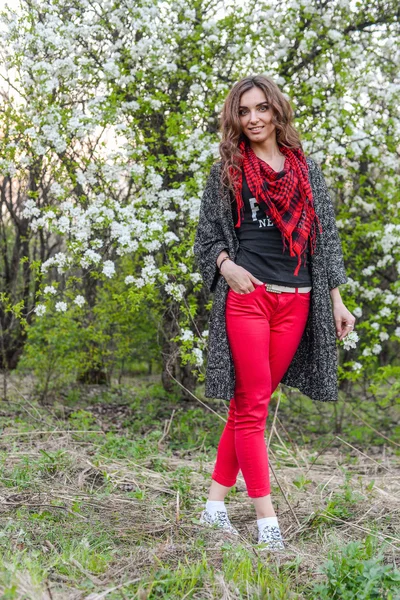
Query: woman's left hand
pixel 344 320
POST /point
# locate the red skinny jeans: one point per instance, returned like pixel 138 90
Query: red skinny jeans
pixel 264 330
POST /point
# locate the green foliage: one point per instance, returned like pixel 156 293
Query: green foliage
pixel 358 572
pixel 150 406
pixel 106 341
pixel 194 428
pixel 340 507
pixel 82 420
pixel 266 579
pixel 131 200
pixel 116 446
pixel 359 422
pixel 302 482
pixel 54 352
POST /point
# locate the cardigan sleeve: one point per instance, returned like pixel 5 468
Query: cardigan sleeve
pixel 209 238
pixel 335 267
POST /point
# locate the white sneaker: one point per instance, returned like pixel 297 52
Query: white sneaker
pixel 220 519
pixel 270 537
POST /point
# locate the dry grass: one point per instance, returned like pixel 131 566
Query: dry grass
pixel 152 520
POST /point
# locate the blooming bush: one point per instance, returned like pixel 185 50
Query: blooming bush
pixel 111 128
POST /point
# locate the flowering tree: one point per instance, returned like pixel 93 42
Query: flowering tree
pixel 110 125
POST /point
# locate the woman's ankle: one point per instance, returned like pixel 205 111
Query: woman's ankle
pixel 265 514
pixel 263 507
pixel 217 492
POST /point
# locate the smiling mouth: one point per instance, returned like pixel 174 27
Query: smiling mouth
pixel 256 129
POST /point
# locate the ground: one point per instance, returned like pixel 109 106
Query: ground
pixel 101 491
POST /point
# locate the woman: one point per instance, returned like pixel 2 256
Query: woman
pixel 268 246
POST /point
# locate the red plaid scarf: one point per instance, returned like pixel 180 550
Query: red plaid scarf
pixel 276 194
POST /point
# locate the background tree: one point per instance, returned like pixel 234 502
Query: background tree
pixel 109 126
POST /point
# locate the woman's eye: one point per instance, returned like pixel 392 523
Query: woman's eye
pixel 263 108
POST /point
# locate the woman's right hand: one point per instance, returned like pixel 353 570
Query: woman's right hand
pixel 239 279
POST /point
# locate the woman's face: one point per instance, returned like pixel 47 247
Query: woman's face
pixel 256 116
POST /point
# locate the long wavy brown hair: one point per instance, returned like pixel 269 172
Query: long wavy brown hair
pixel 231 128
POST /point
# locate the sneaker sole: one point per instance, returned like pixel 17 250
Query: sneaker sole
pixel 264 546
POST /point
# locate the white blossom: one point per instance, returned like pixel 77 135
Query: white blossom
pixel 63 224
pixel 350 340
pixel 56 189
pixel 89 257
pixel 389 298
pixel 140 282
pixel 49 289
pixel 182 267
pixel 186 335
pixel 368 270
pixel 170 236
pixel 79 300
pixel 61 306
pixel 198 353
pixel 108 268
pixel 30 209
pixel 175 290
pixel 195 277
pixel 40 309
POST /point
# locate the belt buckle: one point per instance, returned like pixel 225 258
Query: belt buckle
pixel 269 288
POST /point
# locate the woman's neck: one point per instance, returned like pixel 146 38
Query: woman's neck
pixel 267 150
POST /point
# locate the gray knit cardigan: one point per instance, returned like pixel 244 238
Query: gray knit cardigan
pixel 313 370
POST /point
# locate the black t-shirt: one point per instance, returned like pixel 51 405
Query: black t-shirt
pixel 261 249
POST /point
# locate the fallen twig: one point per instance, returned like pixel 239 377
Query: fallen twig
pixel 378 535
pixel 167 427
pixel 363 453
pixel 18 433
pixel 274 419
pixel 34 504
pixel 283 494
pixel 373 429
pixel 318 455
